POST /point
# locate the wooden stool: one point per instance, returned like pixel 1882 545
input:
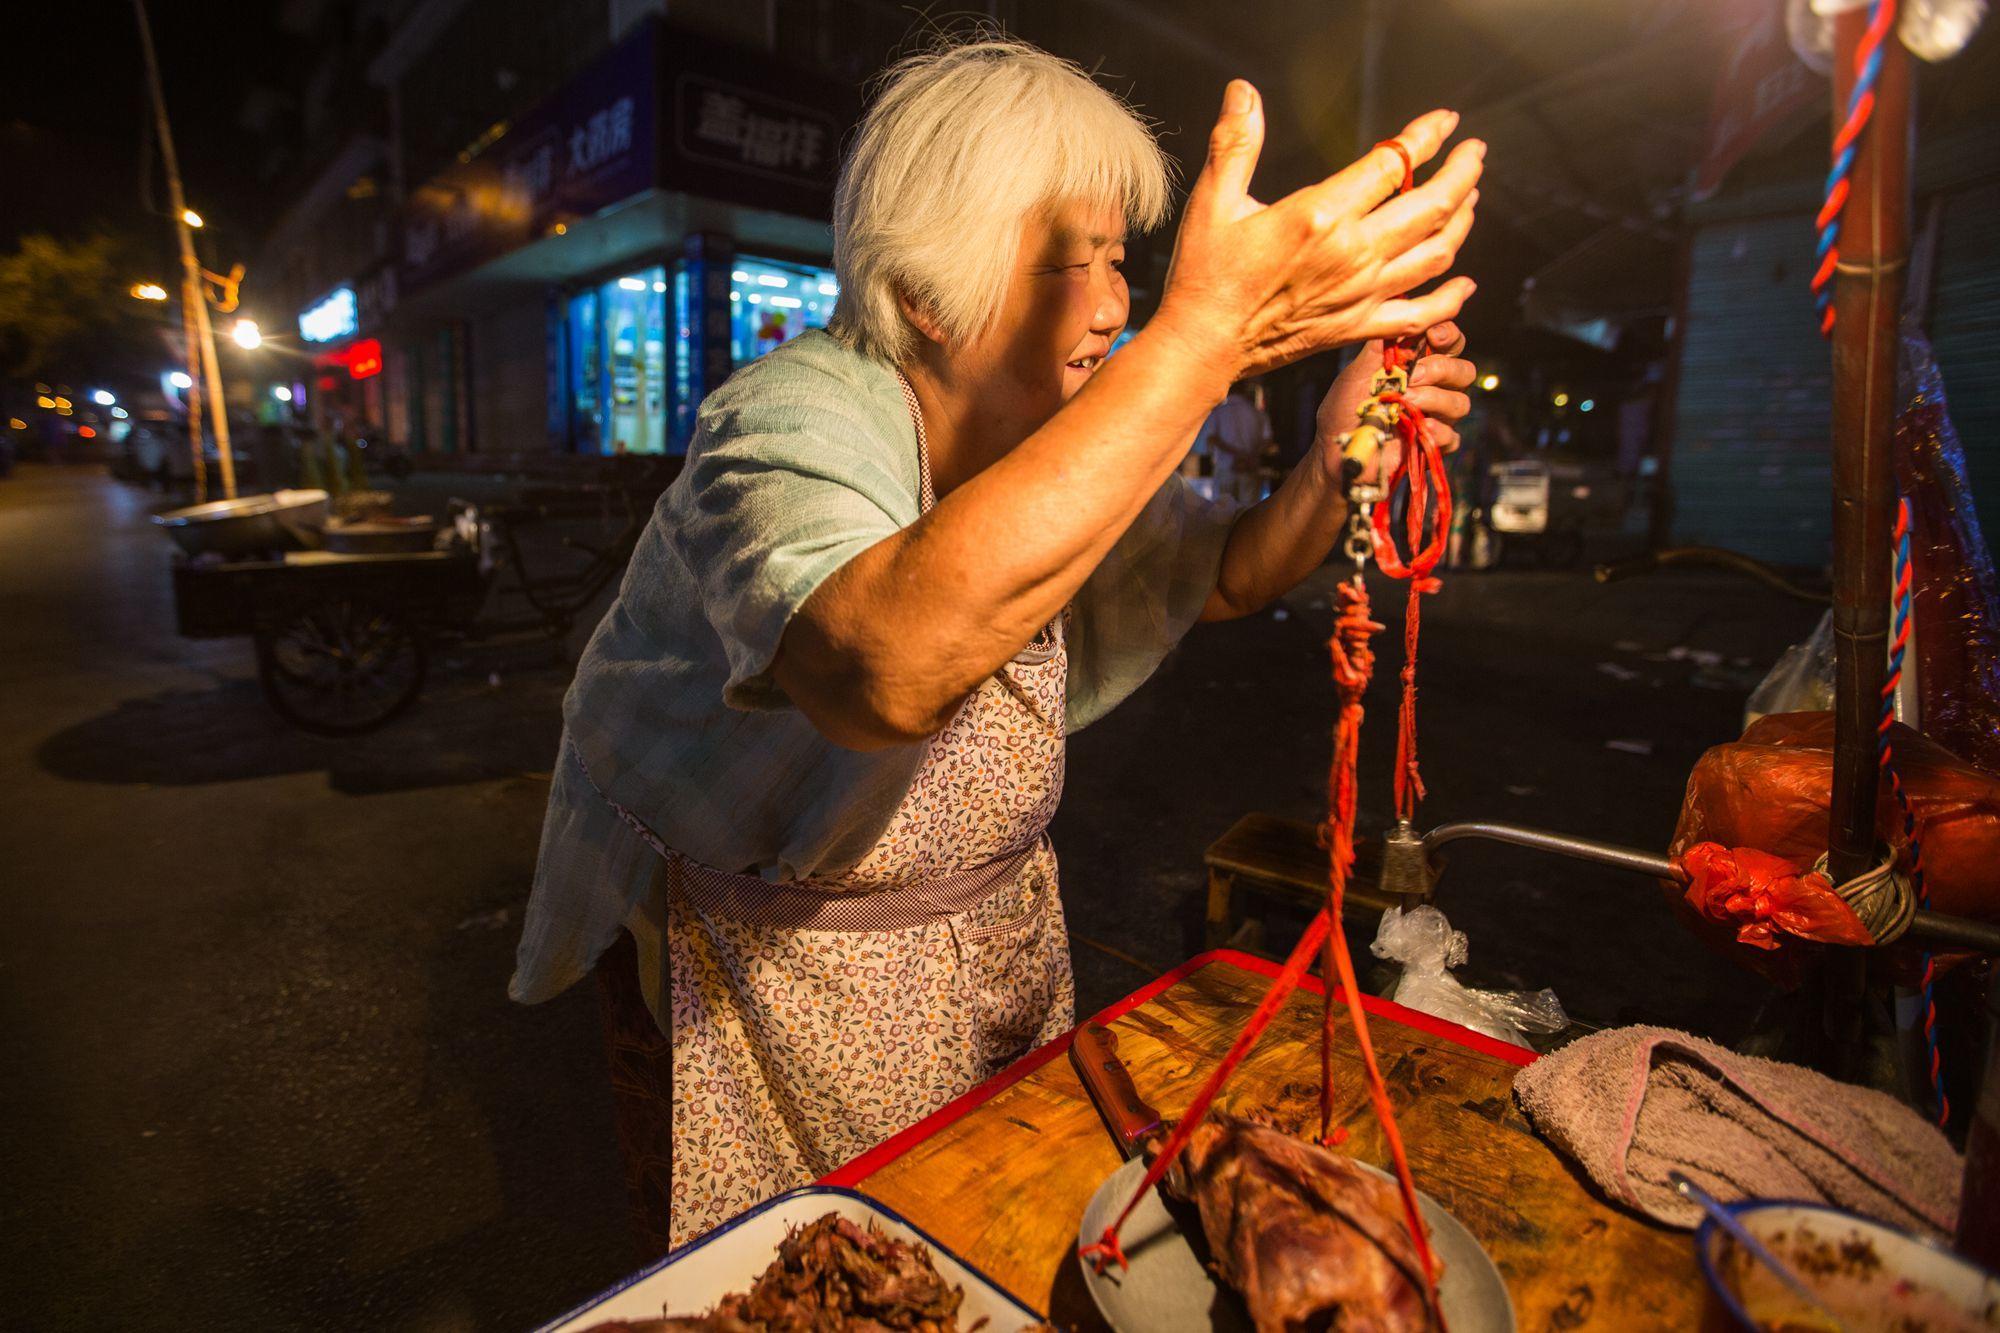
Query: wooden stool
pixel 1282 858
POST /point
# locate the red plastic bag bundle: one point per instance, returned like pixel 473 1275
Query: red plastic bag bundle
pixel 1768 792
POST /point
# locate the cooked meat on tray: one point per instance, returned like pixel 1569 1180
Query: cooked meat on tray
pixel 832 1276
pixel 1307 1237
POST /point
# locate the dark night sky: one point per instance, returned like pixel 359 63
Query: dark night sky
pixel 73 116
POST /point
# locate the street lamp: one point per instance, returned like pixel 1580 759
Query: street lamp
pixel 149 291
pixel 180 380
pixel 247 335
pixel 103 397
pixel 192 218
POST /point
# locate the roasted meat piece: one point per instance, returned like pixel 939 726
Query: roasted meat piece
pixel 1307 1238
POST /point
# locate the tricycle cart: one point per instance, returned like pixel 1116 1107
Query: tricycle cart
pixel 343 639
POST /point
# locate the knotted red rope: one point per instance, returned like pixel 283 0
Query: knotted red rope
pixel 1353 667
pixel 1426 489
pixel 1420 473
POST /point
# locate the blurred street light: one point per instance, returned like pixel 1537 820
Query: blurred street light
pixel 46 403
pixel 247 335
pixel 180 380
pixel 86 433
pixel 1489 382
pixel 1586 405
pixel 63 404
pixel 281 392
pixel 103 397
pixel 1561 400
pixel 192 218
pixel 149 291
pixel 15 423
pixel 120 413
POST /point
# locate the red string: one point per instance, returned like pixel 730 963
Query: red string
pixel 1106 1250
pixel 1427 507
pixel 1353 667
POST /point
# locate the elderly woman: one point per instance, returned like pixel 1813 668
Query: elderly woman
pixel 811 751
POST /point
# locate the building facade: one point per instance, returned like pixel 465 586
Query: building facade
pixel 541 232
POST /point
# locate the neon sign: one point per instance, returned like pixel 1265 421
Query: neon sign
pixel 333 317
pixel 365 359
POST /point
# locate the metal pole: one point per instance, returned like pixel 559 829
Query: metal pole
pixel 191 296
pixel 193 292
pixel 1868 294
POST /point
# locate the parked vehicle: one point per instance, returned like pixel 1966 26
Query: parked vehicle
pixel 1543 505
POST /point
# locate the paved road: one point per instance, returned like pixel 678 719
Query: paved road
pixel 262 1072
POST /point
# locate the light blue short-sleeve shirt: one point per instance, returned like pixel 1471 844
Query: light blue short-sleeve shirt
pixel 800 462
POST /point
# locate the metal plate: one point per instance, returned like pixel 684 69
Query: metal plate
pixel 1167 1290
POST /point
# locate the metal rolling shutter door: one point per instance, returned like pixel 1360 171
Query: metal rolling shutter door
pixel 1751 461
pixel 1965 333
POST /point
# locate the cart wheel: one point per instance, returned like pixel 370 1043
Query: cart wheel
pixel 340 667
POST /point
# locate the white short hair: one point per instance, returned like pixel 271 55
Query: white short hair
pixel 963 143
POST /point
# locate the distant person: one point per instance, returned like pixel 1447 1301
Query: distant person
pixel 1237 432
pixel 798 819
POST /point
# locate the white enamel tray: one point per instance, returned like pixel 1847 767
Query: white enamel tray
pixel 730 1258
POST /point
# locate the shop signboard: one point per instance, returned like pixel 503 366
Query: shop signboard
pixel 587 147
pixel 747 131
pixel 661 108
pixel 330 318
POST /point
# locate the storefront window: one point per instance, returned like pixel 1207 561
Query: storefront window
pixel 771 302
pixel 616 348
pixel 582 351
pixel 633 311
pixel 681 427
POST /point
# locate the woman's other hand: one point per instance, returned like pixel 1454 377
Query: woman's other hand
pixel 1438 383
pixel 1260 286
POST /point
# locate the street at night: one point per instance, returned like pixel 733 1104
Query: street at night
pixel 293 1087
pixel 674 667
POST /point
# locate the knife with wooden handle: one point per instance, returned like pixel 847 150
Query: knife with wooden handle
pixel 1094 1052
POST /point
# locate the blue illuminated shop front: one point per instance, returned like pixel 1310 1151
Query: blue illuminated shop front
pixel 645 231
pixel 628 352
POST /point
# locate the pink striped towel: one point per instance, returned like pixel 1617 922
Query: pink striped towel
pixel 1632 1105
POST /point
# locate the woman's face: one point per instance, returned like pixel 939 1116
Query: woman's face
pixel 1065 305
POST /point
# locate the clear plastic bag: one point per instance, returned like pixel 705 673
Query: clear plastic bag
pixel 1423 941
pixel 1801 682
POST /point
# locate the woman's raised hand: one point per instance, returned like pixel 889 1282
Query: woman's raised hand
pixel 1265 285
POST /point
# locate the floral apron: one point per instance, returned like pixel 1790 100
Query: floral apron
pixel 810 1021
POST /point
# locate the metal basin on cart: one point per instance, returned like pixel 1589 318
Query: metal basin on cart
pixel 249 524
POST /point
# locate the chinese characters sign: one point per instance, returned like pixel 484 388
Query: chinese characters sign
pixel 587 147
pixel 753 132
pixel 661 109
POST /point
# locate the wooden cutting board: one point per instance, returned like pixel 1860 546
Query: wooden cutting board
pixel 1005 1183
